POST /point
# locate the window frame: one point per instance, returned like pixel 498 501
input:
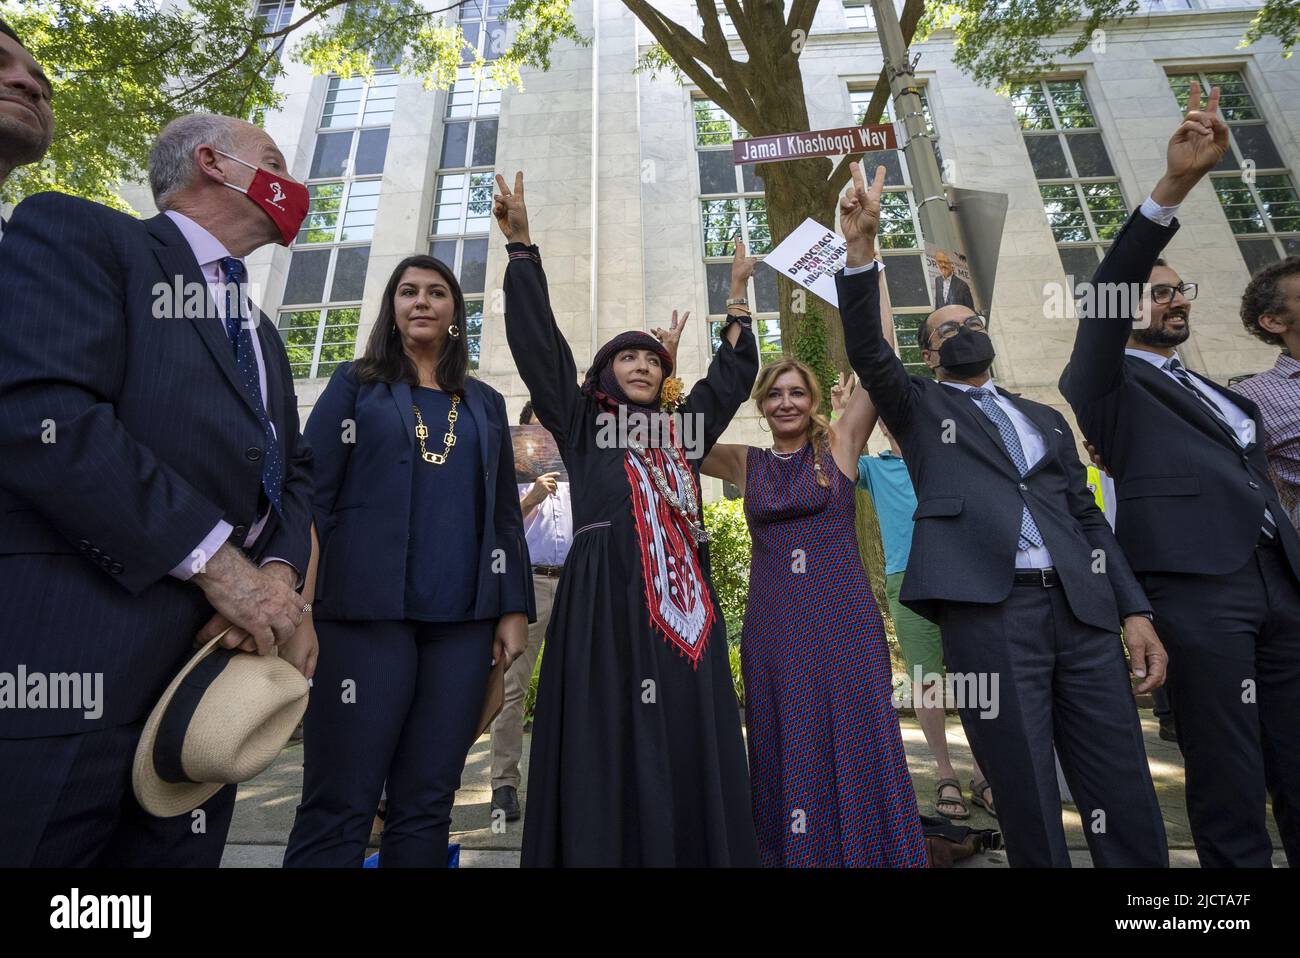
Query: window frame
pixel 1078 183
pixel 1278 239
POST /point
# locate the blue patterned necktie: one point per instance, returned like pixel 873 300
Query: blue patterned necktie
pixel 1029 534
pixel 241 340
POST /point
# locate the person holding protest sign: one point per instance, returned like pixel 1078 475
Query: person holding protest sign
pixel 1019 568
pixel 637 755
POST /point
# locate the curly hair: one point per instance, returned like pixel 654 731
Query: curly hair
pixel 1264 294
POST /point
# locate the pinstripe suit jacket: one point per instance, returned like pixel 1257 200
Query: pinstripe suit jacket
pixel 124 437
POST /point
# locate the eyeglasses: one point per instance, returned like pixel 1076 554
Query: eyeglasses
pixel 950 329
pixel 1164 293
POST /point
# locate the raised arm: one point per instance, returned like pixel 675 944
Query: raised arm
pixel 878 367
pixel 851 430
pixel 541 354
pixel 726 461
pixel 1106 311
pixel 731 375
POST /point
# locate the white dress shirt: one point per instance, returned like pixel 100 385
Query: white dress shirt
pixel 1034 448
pixel 209 252
pixel 548 527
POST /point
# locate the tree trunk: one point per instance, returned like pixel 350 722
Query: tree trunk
pixel 796 190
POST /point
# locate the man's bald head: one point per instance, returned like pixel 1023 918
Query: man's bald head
pixel 936 319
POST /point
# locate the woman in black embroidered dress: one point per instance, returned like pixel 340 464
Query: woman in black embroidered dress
pixel 637 755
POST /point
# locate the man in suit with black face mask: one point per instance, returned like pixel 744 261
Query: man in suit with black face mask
pixel 1015 562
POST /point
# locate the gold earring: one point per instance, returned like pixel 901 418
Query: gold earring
pixel 762 424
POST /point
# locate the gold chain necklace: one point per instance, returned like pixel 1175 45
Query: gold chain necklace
pixel 448 438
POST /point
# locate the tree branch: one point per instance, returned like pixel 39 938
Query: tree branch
pixel 840 175
pixel 801 16
pixel 681 45
pixel 735 76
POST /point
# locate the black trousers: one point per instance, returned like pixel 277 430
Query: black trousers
pixel 1059 682
pixel 1234 684
pixel 67 802
pixel 390 700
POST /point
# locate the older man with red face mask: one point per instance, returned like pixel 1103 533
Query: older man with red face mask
pixel 154 483
pixel 26 117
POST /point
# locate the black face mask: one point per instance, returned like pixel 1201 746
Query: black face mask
pixel 967 354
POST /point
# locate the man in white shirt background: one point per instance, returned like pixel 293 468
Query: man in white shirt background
pixel 548 527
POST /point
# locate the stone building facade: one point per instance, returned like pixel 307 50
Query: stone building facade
pixel 631 191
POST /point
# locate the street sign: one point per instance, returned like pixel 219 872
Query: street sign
pixel 800 146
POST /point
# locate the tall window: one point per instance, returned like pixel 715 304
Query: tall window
pixel 1081 193
pixel 859 15
pixel 1253 184
pixel 327 270
pixel 462 211
pixel 900 241
pixel 275 15
pixel 483 30
pixel 732 205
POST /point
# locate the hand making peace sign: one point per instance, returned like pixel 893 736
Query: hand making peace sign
pixel 1196 147
pixel 509 209
pixel 860 215
pixel 672 336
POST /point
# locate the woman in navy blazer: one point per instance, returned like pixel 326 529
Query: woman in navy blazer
pixel 423 578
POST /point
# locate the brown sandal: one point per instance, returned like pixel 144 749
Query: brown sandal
pixel 941 799
pixel 977 796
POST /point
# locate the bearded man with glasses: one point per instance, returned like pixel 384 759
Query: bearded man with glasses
pixel 1200 522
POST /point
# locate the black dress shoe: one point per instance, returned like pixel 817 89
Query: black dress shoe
pixel 1167 732
pixel 506 799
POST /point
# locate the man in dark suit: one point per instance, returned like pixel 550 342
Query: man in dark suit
pixel 949 288
pixel 149 448
pixel 1200 522
pixel 26 116
pixel 1015 562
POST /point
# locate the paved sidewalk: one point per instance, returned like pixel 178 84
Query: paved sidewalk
pixel 264 813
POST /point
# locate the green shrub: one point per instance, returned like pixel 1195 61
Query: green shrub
pixel 729 558
pixel 737 678
pixel 530 696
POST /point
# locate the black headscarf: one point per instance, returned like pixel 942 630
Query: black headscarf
pixel 601 381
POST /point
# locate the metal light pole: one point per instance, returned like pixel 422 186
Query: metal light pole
pixel 938 224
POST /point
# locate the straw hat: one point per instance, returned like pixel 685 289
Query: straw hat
pixel 222 720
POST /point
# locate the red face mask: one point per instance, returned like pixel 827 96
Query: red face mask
pixel 284 200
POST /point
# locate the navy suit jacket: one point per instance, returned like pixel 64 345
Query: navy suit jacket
pixel 125 435
pixel 1191 499
pixel 362 504
pixel 970 495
